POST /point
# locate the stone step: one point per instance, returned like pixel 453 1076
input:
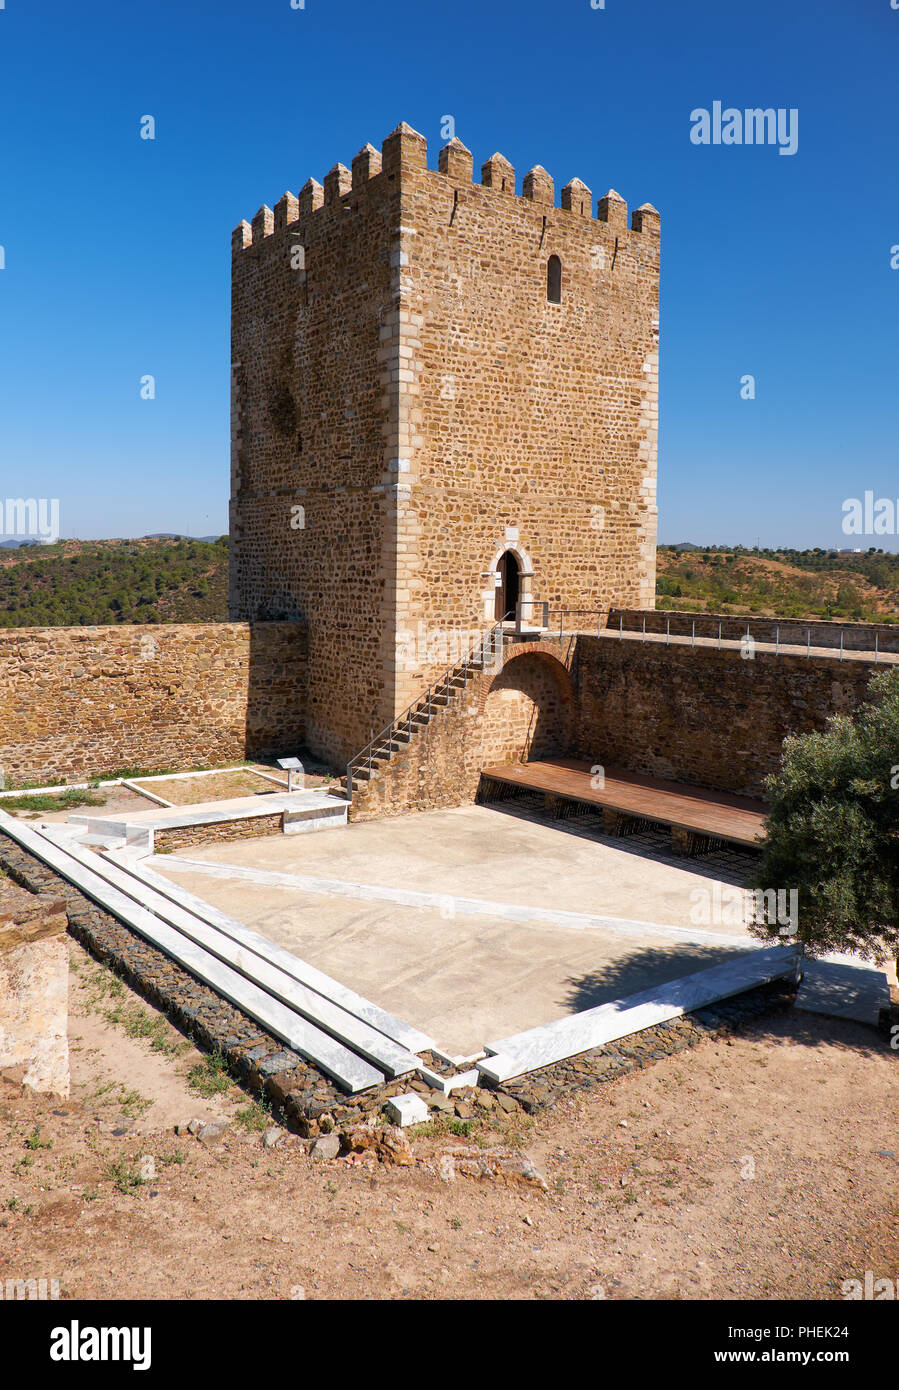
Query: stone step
pixel 300 821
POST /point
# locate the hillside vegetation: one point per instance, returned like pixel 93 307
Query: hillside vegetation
pixel 780 583
pixel 177 580
pixel 80 583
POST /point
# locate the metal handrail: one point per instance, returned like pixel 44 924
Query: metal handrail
pixel 716 623
pixel 422 703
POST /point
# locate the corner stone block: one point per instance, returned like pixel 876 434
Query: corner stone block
pixel 34 984
pixel 404 148
pixel 408 1109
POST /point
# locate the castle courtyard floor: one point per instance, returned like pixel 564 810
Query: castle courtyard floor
pixel 476 923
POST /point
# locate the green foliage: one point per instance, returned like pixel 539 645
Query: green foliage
pixel 51 801
pixel 833 829
pixel 147 581
pixel 124 1176
pixel 34 1140
pixel 210 1076
pixel 814 584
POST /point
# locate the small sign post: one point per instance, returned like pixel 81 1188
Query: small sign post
pixel 293 767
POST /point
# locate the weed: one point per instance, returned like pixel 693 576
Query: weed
pixel 253 1117
pixel 209 1077
pixel 124 1176
pixel 34 1140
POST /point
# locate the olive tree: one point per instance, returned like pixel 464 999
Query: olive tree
pixel 833 830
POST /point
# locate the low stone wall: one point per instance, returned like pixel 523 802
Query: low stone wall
pixel 217 832
pixel 34 988
pixel 88 702
pixel 701 715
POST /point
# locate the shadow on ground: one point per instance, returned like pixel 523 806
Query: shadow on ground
pixel 728 864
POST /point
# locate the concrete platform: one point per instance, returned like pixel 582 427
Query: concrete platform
pixel 302 811
pixel 843 988
pixel 501 923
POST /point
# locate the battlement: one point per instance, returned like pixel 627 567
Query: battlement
pixel 405 150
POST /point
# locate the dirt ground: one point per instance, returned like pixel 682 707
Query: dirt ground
pixel 213 786
pixel 765 1166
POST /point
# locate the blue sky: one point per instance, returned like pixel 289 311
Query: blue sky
pixel 117 250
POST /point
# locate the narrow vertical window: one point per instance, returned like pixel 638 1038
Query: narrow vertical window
pixel 554 280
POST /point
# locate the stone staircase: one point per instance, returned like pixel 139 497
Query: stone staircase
pixel 399 734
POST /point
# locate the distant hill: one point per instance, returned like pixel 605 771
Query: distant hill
pixel 80 583
pixel 171 579
pixel 855 585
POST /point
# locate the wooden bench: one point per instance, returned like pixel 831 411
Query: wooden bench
pixel 695 815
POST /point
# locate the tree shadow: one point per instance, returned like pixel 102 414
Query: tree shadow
pixel 658 966
pixel 645 968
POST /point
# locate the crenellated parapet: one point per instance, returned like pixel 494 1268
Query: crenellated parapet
pixel 286 210
pixel 538 186
pixel 366 164
pixel 405 150
pixel 338 181
pixel 499 174
pixel 456 160
pixel 312 196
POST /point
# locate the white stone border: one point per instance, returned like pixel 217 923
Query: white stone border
pixel 581 1032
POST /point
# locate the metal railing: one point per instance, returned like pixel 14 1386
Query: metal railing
pixel 764 639
pixel 549 615
pixel 437 695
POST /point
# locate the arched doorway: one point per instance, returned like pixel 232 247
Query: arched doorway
pixel 527 712
pixel 508 591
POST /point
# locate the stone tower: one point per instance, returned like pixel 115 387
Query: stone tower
pixel 444 399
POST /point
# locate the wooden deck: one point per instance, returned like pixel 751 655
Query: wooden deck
pixel 691 811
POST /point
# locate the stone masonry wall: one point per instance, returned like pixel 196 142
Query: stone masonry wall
pixel 312 494
pixel 531 424
pixel 700 715
pixel 695 715
pixel 89 701
pixel 407 404
pixel 216 833
pixel 523 711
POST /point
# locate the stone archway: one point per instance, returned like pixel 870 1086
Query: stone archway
pixel 508 590
pixel 512 574
pixel 527 710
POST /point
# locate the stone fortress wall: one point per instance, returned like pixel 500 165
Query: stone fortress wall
pixel 84 702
